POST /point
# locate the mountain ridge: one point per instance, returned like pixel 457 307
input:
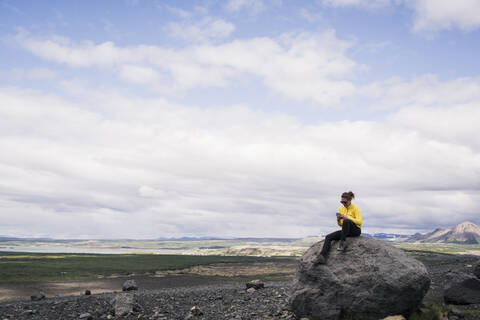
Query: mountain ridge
pixel 466 232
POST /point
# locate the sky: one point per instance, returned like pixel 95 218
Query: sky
pixel 237 118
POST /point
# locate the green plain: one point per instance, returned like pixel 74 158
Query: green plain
pixel 26 267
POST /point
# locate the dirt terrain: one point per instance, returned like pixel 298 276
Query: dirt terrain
pixel 193 276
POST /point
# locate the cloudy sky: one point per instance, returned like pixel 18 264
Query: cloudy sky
pixel 146 118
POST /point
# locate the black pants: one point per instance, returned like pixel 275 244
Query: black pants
pixel 349 229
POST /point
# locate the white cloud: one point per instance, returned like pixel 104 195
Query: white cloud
pixel 178 11
pixel 202 30
pixel 19 74
pixel 138 74
pixel 433 15
pixel 114 166
pixel 253 6
pixel 302 66
pixel 423 91
pixel 310 16
pixel 429 15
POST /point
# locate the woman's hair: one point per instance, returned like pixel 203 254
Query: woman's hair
pixel 348 195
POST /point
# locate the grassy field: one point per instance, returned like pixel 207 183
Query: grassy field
pixel 23 267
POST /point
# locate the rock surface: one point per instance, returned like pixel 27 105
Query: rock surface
pixel 86 316
pixel 256 284
pixel 370 279
pixel 39 295
pixel 219 300
pixel 476 271
pixel 455 314
pixel 462 288
pixel 129 285
pixel 194 312
pixel 123 304
pixel 226 301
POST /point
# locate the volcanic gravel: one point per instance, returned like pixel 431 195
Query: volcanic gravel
pixel 219 301
pixel 215 301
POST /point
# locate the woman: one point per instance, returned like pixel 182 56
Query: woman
pixel 350 219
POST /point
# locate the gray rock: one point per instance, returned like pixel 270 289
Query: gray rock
pixel 29 312
pixel 455 314
pixel 39 295
pixel 476 270
pixel 129 285
pixel 86 316
pixel 461 288
pixel 370 279
pixel 123 304
pixel 256 284
pixel 194 312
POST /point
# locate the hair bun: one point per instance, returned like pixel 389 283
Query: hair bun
pixel 348 195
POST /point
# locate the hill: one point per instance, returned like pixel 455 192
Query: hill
pixel 466 232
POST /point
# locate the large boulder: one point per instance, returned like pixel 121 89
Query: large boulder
pixel 476 270
pixel 461 288
pixel 370 279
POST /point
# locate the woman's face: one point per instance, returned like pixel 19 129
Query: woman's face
pixel 345 202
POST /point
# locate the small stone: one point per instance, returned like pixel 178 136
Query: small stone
pixel 39 295
pixel 86 316
pixel 399 317
pixel 455 314
pixel 257 284
pixel 196 311
pixel 250 290
pixel 29 312
pixel 129 285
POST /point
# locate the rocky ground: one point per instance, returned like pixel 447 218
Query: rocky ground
pixel 218 301
pixel 438 265
pixel 212 301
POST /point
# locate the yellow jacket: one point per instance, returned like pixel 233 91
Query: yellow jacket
pixel 353 213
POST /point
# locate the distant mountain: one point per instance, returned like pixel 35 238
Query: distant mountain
pixel 205 238
pixel 386 236
pixel 466 232
pixel 216 238
pixel 7 238
pixel 191 239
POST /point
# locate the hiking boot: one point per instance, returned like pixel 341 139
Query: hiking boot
pixel 341 246
pixel 320 259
